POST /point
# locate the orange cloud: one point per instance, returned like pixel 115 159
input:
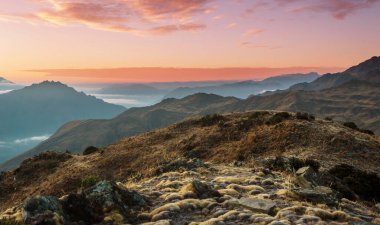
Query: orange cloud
pixel 181 27
pixel 252 32
pixel 121 15
pixel 157 74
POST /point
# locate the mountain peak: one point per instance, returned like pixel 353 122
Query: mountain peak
pixel 5 81
pixel 366 66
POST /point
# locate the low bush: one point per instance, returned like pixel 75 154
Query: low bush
pixel 278 118
pixel 258 114
pixel 364 184
pixel 90 150
pixel 89 181
pixel 281 163
pixel 10 222
pixel 353 126
pixel 305 116
pixel 210 120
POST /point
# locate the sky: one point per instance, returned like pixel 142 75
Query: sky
pixel 79 41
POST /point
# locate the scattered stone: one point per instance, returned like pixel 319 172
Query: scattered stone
pixel 161 216
pixel 258 205
pixel 306 177
pixel 319 194
pixel 267 182
pixel 43 210
pixel 201 189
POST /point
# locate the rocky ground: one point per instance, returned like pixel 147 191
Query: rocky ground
pixel 207 194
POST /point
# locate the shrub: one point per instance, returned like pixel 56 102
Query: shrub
pixel 89 181
pixel 365 184
pixel 90 150
pixel 10 222
pixel 278 118
pixel 353 126
pixel 305 116
pixel 258 114
pixel 281 163
pixel 210 120
pixel 370 132
pixel 328 118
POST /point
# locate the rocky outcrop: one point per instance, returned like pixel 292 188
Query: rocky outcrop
pixel 220 194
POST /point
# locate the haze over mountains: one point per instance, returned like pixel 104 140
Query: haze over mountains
pixel 32 113
pixel 246 88
pixel 354 100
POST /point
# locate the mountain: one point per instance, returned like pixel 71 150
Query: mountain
pixel 206 170
pixel 40 109
pixel 5 81
pixel 131 89
pixel 77 135
pixel 356 101
pixel 368 70
pixel 244 89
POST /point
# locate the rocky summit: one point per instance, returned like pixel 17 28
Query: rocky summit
pixel 239 168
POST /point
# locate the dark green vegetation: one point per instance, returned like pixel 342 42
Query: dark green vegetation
pixel 353 183
pixel 89 181
pixel 353 126
pixel 90 150
pixel 10 222
pixel 291 164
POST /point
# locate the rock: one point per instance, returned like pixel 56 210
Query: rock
pixel 201 189
pixel 161 216
pixel 42 210
pixel 306 177
pixel 319 194
pixel 109 197
pixel 257 205
pixel 78 209
pixel 377 206
pixel 267 182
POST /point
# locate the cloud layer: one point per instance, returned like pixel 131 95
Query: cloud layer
pixel 139 16
pixel 339 9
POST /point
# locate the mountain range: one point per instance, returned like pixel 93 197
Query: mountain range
pixel 33 113
pixel 244 89
pixel 356 99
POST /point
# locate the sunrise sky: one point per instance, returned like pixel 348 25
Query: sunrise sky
pixel 143 40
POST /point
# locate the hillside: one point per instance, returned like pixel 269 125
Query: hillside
pixel 368 71
pixel 76 136
pixel 222 159
pixel 356 101
pixel 246 88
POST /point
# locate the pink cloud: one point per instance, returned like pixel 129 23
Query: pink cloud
pixel 339 9
pixel 121 15
pixel 252 32
pixel 181 27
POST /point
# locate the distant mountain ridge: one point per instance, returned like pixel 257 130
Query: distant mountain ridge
pixel 352 100
pixel 40 109
pixel 244 89
pixel 368 70
pixel 5 81
pixel 131 89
